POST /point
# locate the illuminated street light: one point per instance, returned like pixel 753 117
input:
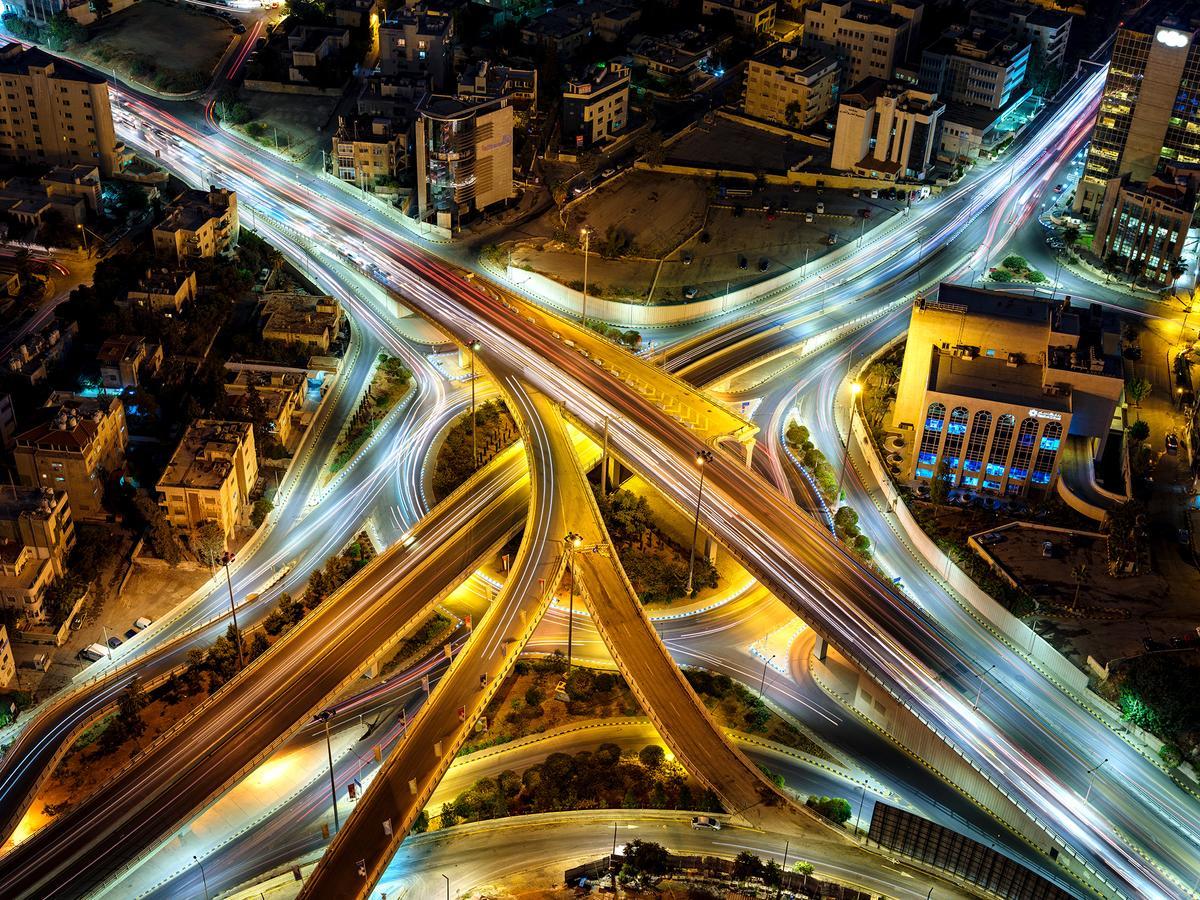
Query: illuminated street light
pixel 1092 778
pixel 571 542
pixel 475 347
pixel 226 559
pixel 324 716
pixel 586 234
pixel 855 390
pixel 702 457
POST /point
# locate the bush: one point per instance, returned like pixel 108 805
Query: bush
pixel 1000 275
pixel 1013 261
pixel 262 509
pixel 835 809
pixel 652 756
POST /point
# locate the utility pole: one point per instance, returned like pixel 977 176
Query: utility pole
pixel 763 683
pixel 979 693
pixel 475 347
pixel 862 801
pixel 226 559
pixel 586 235
pixel 1092 778
pixel 325 716
pixel 604 462
pixel 203 877
pixel 702 458
pixel 571 543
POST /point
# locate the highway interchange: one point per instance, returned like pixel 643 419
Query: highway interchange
pixel 1132 795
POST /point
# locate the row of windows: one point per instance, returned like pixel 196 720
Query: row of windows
pixel 972 462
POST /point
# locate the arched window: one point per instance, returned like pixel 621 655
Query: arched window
pixel 955 432
pixel 1023 453
pixel 1043 466
pixel 931 439
pixel 998 457
pixel 981 427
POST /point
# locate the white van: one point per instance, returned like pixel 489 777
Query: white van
pixel 94 652
pixel 142 623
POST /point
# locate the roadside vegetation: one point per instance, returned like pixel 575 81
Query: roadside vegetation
pixel 389 385
pixel 495 431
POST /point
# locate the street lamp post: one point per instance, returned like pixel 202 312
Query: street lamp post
pixel 979 693
pixel 702 457
pixel 855 390
pixel 762 684
pixel 862 802
pixel 106 643
pixel 586 235
pixel 1092 778
pixel 324 716
pixel 572 542
pixel 475 347
pixel 447 877
pixel 226 559
pixel 203 877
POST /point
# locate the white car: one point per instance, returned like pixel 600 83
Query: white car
pixel 709 822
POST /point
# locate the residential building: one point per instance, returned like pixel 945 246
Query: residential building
pixel 10 278
pixel 614 20
pixel 870 39
pixel 78 445
pixel 8 422
pixel 43 11
pixel 357 13
pixel 24 579
pixel 310 46
pixel 35 358
pixel 54 112
pixel 1147 109
pixel 418 39
pixel 993 384
pixel 595 105
pixel 210 475
pixel 791 86
pixel 752 16
pixel 164 290
pixel 292 317
pixel 368 151
pixel 977 66
pixel 1046 30
pixel 562 30
pixel 464 158
pixel 123 359
pixel 80 182
pixel 685 56
pixel 8 669
pixel 29 202
pixel 198 225
pixel 483 80
pixel 1143 225
pixel 280 394
pixel 40 519
pixel 887 131
pixel 395 97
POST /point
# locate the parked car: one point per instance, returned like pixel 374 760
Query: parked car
pixel 832 239
pixel 856 193
pixel 142 623
pixel 874 194
pixel 763 264
pixel 1047 549
pixel 821 207
pixel 686 259
pixel 743 263
pixel 77 622
pixel 609 172
pixel 1172 443
pixel 93 652
pixel 706 822
pixel 808 217
pixel 690 293
pixel 865 213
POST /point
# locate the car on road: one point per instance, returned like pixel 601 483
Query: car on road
pixel 1172 443
pixel 821 207
pixel 609 172
pixel 1058 189
pixel 808 217
pixel 865 213
pixel 1047 549
pixel 709 822
pixel 686 259
pixel 874 194
pixel 77 622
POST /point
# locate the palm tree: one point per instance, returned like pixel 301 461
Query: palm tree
pixel 1079 573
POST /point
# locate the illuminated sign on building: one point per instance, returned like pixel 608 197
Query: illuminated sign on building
pixel 1171 38
pixel 1038 414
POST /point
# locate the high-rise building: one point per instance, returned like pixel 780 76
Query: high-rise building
pixel 595 105
pixel 367 149
pixel 976 66
pixel 1148 109
pixel 870 39
pixel 993 384
pixel 791 85
pixel 78 445
pixel 464 158
pixel 887 131
pixel 1046 30
pixel 53 112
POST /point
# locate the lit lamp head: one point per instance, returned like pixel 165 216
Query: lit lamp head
pixel 476 346
pixel 703 456
pixel 855 389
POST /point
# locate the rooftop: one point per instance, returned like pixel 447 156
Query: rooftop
pixel 18 60
pixel 980 302
pixel 865 13
pixel 192 209
pixel 204 457
pixel 807 63
pixel 120 348
pixel 70 423
pixel 996 380
pixel 28 501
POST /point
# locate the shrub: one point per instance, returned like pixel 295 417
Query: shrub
pixel 835 809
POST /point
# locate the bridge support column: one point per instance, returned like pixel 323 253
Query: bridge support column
pixel 749 443
pixel 820 648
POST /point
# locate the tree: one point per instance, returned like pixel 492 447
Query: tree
pixel 1139 431
pixel 1071 235
pixel 209 543
pixel 1015 263
pixel 257 647
pixel 791 114
pixel 130 705
pixel 262 509
pixel 1138 389
pixel 747 865
pixel 62 32
pixel 939 487
pixel 1079 573
pixel 645 859
pixel 846 522
pixel 802 868
pixel 1178 269
pixel 159 532
pixel 652 756
pixel 835 809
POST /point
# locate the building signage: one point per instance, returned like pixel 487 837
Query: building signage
pixel 1171 38
pixel 1038 414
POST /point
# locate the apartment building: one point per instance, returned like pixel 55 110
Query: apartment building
pixel 163 290
pixel 279 393
pixel 1147 111
pixel 293 317
pixel 309 46
pixel 685 56
pixel 76 447
pixel 791 86
pixel 1143 225
pixel 367 151
pixel 38 518
pixel 210 475
pixel 887 131
pixel 124 359
pixel 464 158
pixel 8 422
pixel 484 80
pixel 79 182
pixel 993 384
pixel 977 66
pixel 595 105
pixel 870 39
pixel 35 358
pixel 751 16
pixel 1046 30
pixel 418 39
pixel 54 112
pixel 198 225
pixel 24 580
pixel 8 669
